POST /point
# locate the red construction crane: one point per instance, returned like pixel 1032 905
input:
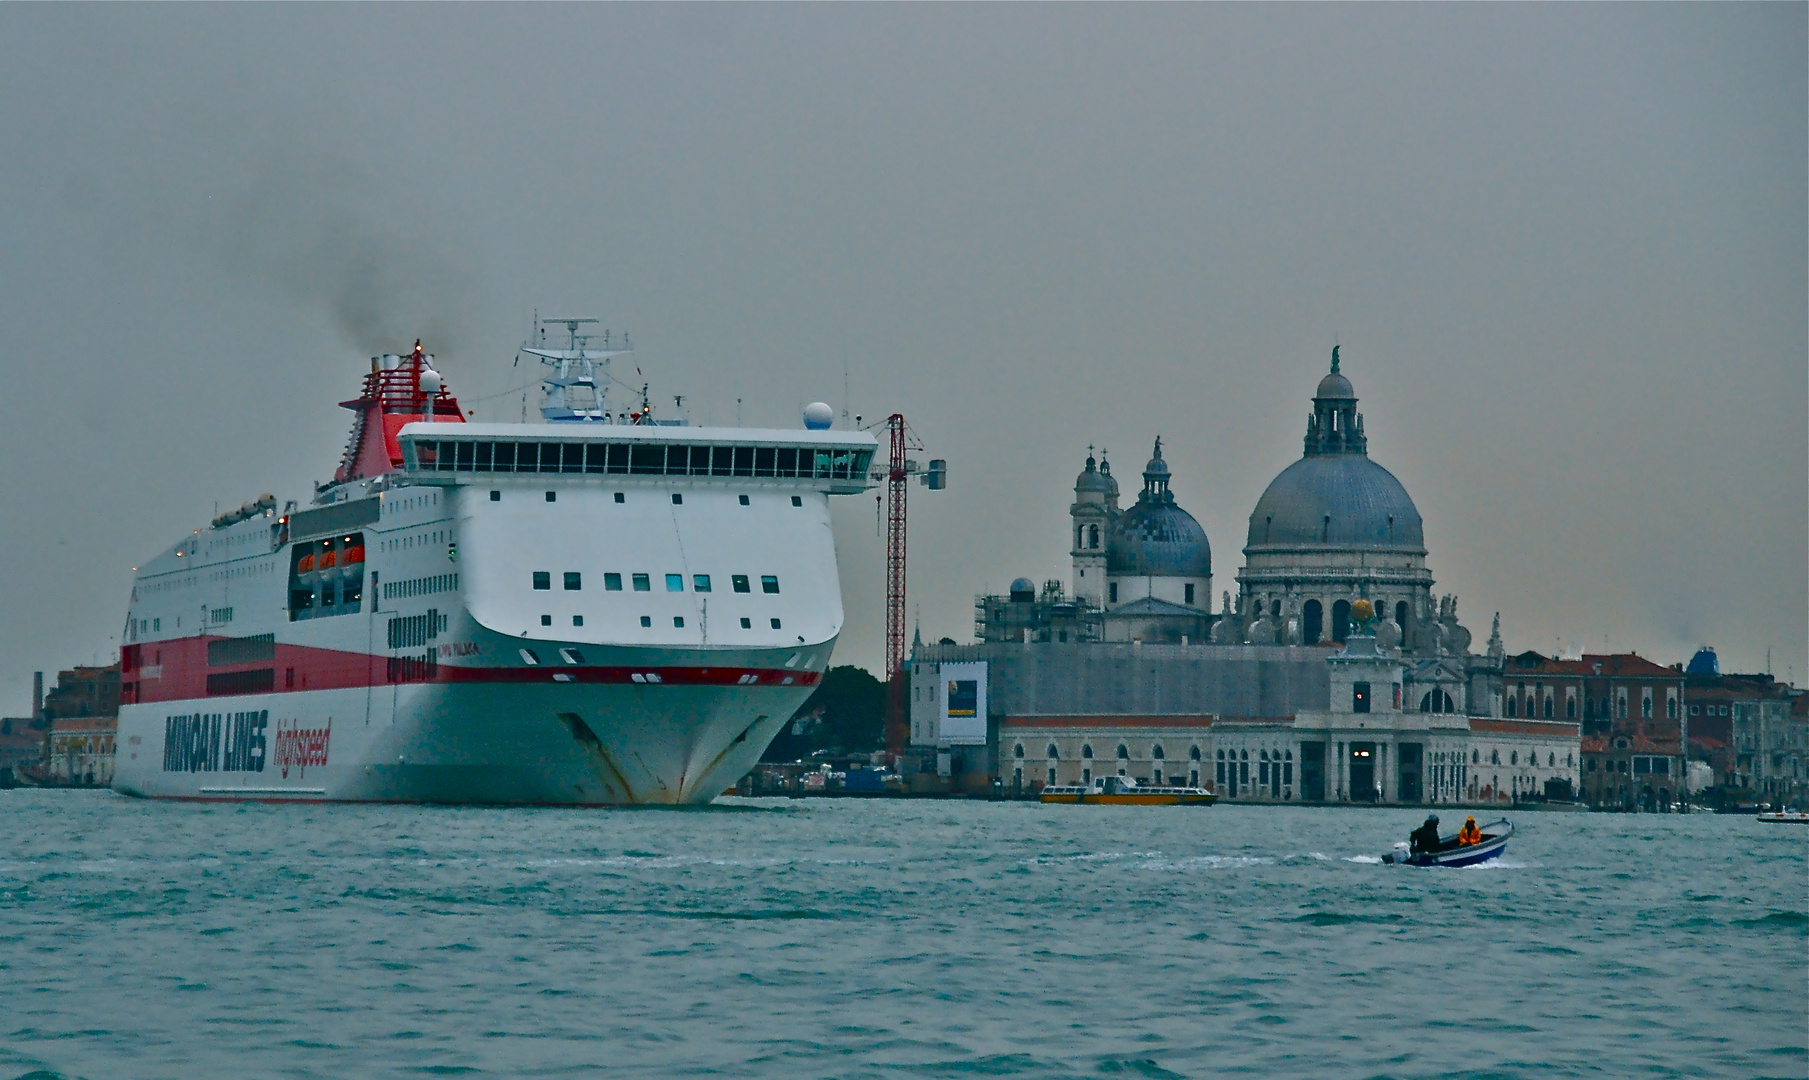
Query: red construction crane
pixel 898 471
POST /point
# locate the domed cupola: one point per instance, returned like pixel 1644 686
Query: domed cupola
pixel 1335 496
pixel 1091 479
pixel 1155 537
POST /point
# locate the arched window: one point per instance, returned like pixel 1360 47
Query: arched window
pixel 1018 750
pixel 1312 618
pixel 1514 758
pixel 1671 708
pixel 1263 754
pixel 1645 708
pixel 1221 755
pixel 1156 752
pixel 1093 536
pixel 1193 753
pixel 1287 755
pixel 1340 621
pixel 1053 754
pixel 1548 708
pixel 1086 751
pixel 1124 753
pixel 1512 705
pixel 1426 701
pixel 1494 757
pixel 1245 755
pixel 1400 616
pixel 1476 757
pixel 1570 708
pixel 1551 761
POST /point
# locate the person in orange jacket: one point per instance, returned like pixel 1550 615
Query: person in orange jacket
pixel 1469 834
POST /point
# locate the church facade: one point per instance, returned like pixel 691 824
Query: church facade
pixel 1131 661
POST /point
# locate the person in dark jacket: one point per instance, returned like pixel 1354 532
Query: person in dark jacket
pixel 1425 838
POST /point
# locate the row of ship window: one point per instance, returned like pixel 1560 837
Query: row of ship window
pixel 573 581
pixel 678 498
pixel 638 459
pixel 678 622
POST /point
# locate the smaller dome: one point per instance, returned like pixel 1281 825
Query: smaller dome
pixel 1335 387
pixel 1023 590
pixel 1092 479
pixel 1158 539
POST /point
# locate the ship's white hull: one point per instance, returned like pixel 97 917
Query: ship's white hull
pixel 497 743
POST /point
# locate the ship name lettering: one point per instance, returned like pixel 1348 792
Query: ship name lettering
pixel 214 742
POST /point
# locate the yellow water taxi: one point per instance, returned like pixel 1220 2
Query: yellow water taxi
pixel 1125 791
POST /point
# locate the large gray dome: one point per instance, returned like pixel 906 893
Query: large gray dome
pixel 1338 501
pixel 1156 538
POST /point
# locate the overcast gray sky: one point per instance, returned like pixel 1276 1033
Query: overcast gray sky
pixel 1563 247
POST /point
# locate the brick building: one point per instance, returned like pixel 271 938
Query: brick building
pixel 1753 731
pixel 1633 718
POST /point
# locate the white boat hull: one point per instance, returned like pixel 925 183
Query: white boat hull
pixel 499 743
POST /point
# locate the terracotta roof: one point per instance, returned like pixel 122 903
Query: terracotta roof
pixel 1614 665
pixel 1636 744
pixel 1523 727
pixel 1170 721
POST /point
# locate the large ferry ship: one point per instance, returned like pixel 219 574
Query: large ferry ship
pixel 598 609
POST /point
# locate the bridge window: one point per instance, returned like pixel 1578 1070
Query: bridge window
pixel 738 582
pixel 643 583
pixel 574 581
pixel 769 583
pixel 675 583
pixel 543 580
pixel 612 583
pixel 700 583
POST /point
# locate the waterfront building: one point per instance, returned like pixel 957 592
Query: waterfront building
pixel 1282 725
pixel 1632 715
pixel 1751 730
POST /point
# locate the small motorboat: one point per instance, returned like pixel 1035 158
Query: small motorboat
pixel 1495 836
pixel 1785 816
pixel 1126 791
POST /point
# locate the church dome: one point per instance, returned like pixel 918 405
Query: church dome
pixel 1092 479
pixel 1336 500
pixel 1335 496
pixel 1155 537
pixel 1335 387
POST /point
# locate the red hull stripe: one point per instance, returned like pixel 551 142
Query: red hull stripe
pixel 177 670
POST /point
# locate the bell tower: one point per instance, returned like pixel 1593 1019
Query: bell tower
pixel 1090 518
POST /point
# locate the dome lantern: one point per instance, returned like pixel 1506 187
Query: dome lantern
pixel 1335 427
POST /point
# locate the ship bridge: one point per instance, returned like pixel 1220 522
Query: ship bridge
pixel 834 462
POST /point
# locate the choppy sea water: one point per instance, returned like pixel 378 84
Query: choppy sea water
pixel 830 938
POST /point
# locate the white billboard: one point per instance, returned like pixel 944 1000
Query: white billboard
pixel 962 709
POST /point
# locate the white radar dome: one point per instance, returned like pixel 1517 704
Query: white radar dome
pixel 430 381
pixel 818 416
